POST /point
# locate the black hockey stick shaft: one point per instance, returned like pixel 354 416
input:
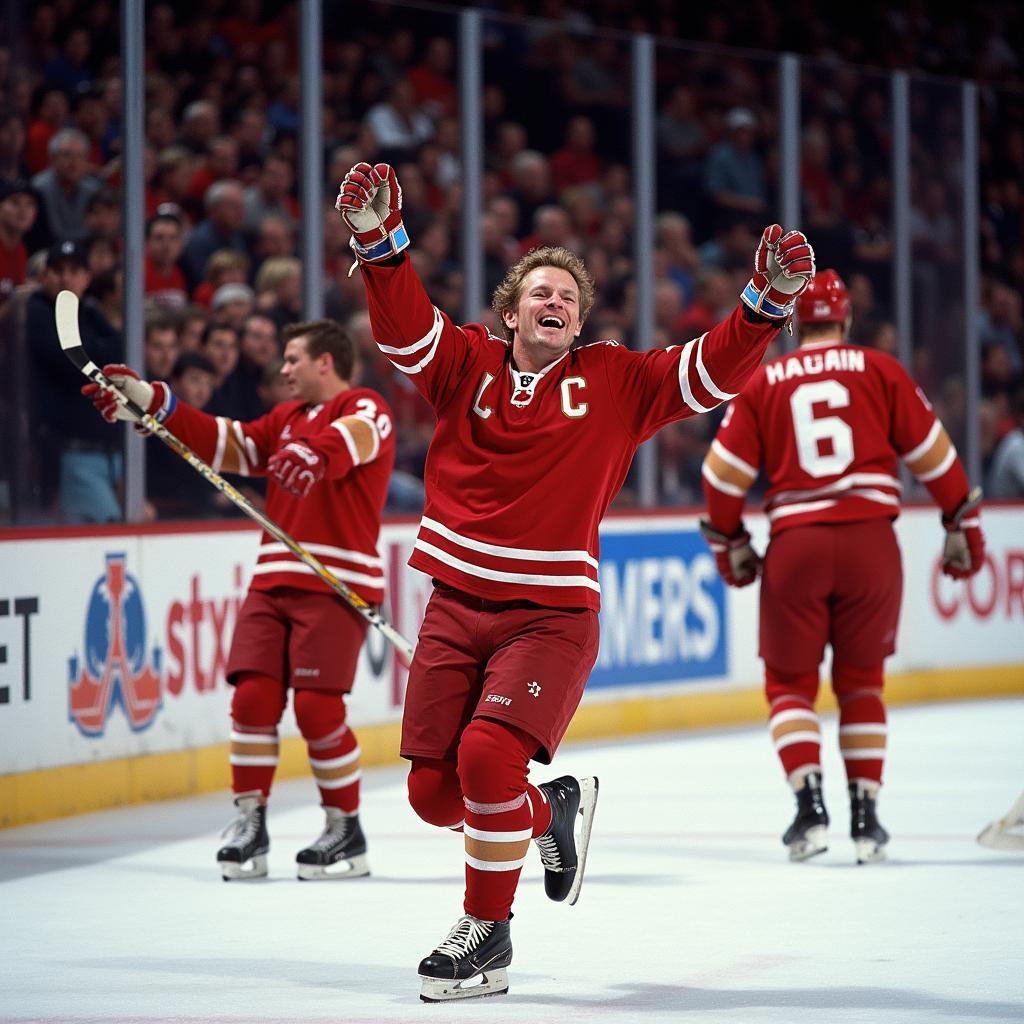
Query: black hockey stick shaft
pixel 71 343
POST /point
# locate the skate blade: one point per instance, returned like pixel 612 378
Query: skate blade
pixel 489 982
pixel 354 867
pixel 588 802
pixel 232 871
pixel 815 842
pixel 868 851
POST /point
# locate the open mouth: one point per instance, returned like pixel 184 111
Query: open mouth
pixel 552 321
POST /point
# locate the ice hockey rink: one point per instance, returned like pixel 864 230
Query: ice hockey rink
pixel 689 911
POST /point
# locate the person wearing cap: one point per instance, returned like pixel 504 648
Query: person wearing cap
pixel 79 463
pixel 827 424
pixel 232 303
pixel 19 206
pixel 734 175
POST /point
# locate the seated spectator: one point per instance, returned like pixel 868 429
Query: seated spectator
pixel 1001 323
pixel 50 114
pixel 222 229
pixel 271 195
pixel 1006 476
pixel 273 386
pixel 551 226
pixel 673 238
pixel 19 206
pixel 733 174
pixel 398 125
pixel 103 216
pixel 174 490
pixel 199 124
pixel 107 291
pixel 531 175
pixel 279 290
pixel 232 303
pixel 70 70
pixel 164 279
pixel 714 300
pixel 65 187
pixel 275 236
pixel 235 394
pixel 12 146
pixel 159 347
pixel 260 342
pixel 431 80
pixel 191 327
pixel 225 266
pixel 79 455
pixel 576 163
pixel 174 167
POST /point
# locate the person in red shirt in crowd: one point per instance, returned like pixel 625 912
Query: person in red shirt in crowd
pixel 576 163
pixel 328 455
pixel 19 206
pixel 51 114
pixel 164 281
pixel 533 440
pixel 827 424
pixel 432 80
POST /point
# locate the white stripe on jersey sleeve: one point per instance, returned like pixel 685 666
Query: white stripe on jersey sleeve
pixel 705 377
pixel 521 554
pixel 948 460
pixel 733 459
pixel 720 485
pixel 431 339
pixel 915 453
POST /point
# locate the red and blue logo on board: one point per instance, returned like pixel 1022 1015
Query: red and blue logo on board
pixel 115 668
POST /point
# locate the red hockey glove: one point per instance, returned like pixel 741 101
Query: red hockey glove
pixel 370 203
pixel 964 550
pixel 157 398
pixel 783 268
pixel 738 563
pixel 297 467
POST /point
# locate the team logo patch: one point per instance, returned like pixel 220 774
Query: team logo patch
pixel 534 688
pixel 116 668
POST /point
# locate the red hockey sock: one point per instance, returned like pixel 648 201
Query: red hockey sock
pixel 793 722
pixel 862 724
pixel 256 708
pixel 332 746
pixel 500 813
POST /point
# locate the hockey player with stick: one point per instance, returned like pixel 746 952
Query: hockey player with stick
pixel 533 440
pixel 328 455
pixel 827 424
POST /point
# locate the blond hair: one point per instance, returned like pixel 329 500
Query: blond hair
pixel 508 293
pixel 275 271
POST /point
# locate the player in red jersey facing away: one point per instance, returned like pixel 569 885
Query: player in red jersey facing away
pixel 533 440
pixel 827 423
pixel 328 456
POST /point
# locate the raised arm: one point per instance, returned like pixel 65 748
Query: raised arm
pixel 417 337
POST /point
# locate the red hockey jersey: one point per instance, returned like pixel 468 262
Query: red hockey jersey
pixel 827 422
pixel 339 520
pixel 523 466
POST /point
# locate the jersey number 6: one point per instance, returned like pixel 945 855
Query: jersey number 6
pixel 813 431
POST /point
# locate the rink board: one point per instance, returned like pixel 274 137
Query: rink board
pixel 113 644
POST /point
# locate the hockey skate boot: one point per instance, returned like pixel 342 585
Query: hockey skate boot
pixel 808 835
pixel 244 855
pixel 869 838
pixel 563 852
pixel 339 852
pixel 470 962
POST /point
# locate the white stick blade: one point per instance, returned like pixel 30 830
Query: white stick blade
pixel 67 320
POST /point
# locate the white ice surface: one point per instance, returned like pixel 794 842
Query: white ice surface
pixel 690 910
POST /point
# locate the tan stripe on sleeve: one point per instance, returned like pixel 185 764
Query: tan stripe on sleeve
pixel 931 459
pixel 727 472
pixel 363 435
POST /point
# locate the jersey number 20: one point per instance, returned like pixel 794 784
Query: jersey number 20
pixel 813 432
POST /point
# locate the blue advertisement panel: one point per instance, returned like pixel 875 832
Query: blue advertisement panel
pixel 663 615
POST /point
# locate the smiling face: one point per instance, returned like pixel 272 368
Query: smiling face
pixel 546 320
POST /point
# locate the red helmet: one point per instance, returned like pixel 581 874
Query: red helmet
pixel 824 301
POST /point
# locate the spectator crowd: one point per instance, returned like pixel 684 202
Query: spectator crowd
pixel 221 273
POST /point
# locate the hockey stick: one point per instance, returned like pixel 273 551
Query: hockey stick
pixel 1008 832
pixel 71 344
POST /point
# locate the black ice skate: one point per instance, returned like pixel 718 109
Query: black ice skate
pixel 470 962
pixel 244 855
pixel 808 835
pixel 339 852
pixel 563 852
pixel 869 838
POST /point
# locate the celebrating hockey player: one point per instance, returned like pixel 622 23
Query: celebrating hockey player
pixel 328 456
pixel 827 424
pixel 534 437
